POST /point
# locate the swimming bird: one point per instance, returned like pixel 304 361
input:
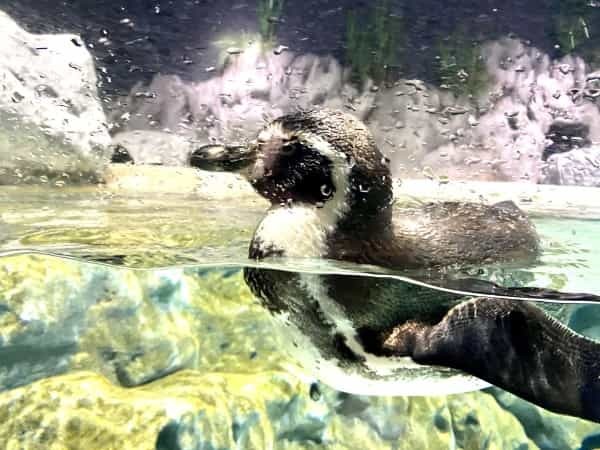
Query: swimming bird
pixel 331 197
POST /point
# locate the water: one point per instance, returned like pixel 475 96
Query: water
pixel 138 287
pixel 154 230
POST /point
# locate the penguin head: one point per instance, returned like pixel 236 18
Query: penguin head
pixel 326 158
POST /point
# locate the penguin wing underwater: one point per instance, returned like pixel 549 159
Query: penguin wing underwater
pixel 331 195
pixel 500 338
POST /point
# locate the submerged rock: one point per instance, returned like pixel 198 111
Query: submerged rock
pixel 52 126
pixel 132 326
pixel 191 410
pixel 548 430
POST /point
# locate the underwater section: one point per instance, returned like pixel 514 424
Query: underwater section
pixel 96 356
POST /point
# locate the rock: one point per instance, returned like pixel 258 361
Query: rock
pixel 470 420
pixel 546 429
pixel 424 127
pixel 59 315
pixel 163 104
pixel 580 167
pixel 186 411
pixel 155 147
pixel 52 126
pixel 233 104
pixel 190 410
pixel 124 178
pixel 516 112
pixel 131 326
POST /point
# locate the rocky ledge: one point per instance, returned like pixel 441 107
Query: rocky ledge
pixel 52 125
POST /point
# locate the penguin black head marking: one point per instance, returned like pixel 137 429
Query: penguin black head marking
pixel 291 168
pixel 349 160
pixel 318 157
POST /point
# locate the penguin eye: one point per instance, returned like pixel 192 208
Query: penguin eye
pixel 288 146
pixel 326 190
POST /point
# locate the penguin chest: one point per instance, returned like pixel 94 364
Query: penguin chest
pixel 297 232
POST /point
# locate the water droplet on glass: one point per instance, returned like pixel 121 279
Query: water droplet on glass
pixel 565 69
pixel 592 93
pixel 428 172
pixel 417 84
pixel 17 97
pixel 280 49
pixel 462 75
pixel 472 121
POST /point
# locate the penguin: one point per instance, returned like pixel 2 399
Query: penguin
pixel 331 196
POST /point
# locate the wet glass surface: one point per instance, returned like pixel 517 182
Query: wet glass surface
pixel 131 315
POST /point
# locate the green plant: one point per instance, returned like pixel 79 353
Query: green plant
pixel 269 12
pixel 372 45
pixel 571 23
pixel 460 66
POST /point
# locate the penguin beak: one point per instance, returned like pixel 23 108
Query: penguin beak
pixel 224 158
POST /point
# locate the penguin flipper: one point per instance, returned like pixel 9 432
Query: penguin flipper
pixel 484 287
pixel 514 345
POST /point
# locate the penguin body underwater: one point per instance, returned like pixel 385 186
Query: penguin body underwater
pixel 331 195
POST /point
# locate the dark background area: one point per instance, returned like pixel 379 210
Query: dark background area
pixel 132 40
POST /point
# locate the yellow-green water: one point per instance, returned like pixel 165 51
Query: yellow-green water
pixel 151 230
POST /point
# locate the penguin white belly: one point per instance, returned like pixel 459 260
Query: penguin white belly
pixel 374 375
pixel 298 232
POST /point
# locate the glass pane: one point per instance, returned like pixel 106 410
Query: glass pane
pixel 284 224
